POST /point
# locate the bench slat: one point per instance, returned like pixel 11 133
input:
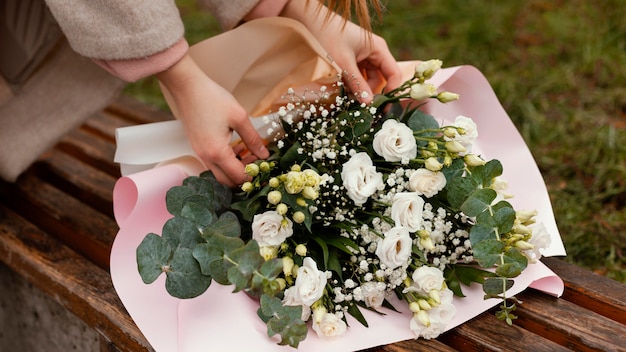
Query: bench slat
pixel 590 290
pixel 77 284
pixel 568 324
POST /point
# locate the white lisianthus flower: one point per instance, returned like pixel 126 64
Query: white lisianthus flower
pixel 438 319
pixel 360 178
pixel 373 294
pixel 468 131
pixel 426 182
pixel 406 210
pixel 540 241
pixel 394 249
pixel 310 282
pixel 395 142
pixel 327 325
pixel 421 91
pixel 426 69
pixel 271 228
pixel 425 279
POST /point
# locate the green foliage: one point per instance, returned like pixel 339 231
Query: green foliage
pixel 202 243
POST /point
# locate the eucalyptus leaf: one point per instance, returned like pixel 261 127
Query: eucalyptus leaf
pixel 488 252
pixel 497 285
pixel 283 320
pixel 198 209
pixel 421 121
pixel 213 256
pixel 248 261
pixel 184 278
pixel 459 189
pixel 485 174
pixel 227 224
pixel 501 217
pixel 481 232
pixel 181 232
pixel 153 257
pixel 478 201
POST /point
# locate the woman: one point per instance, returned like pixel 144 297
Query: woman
pixel 132 40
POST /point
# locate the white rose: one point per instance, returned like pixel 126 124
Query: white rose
pixel 426 182
pixel 540 240
pixel 310 282
pixel 406 210
pixel 395 142
pixel 292 299
pixel 373 294
pixel 395 248
pixel 360 178
pixel 329 326
pixel 271 228
pixel 425 279
pixel 470 132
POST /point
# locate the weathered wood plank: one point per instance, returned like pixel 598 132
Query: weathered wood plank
pixel 75 223
pixel 569 324
pixel 591 291
pixel 77 284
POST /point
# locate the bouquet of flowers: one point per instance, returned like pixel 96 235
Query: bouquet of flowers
pixel 357 203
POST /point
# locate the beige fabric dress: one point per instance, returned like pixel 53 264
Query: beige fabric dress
pixel 49 85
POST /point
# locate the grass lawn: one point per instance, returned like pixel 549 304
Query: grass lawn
pixel 559 69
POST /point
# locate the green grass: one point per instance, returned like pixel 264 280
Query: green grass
pixel 559 69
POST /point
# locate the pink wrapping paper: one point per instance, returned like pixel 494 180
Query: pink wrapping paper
pixel 219 319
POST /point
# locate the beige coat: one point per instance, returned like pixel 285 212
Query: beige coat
pixel 49 85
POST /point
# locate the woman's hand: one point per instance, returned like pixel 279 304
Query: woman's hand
pixel 210 114
pixel 364 57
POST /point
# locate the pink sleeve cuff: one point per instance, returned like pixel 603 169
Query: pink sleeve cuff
pixel 134 69
pixel 266 8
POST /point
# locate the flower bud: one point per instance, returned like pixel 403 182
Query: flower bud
pixel 252 170
pixel 414 307
pixel 521 229
pixel 436 297
pixel 526 217
pixel 264 166
pixel 282 208
pixel 424 304
pixel 423 318
pixel 449 132
pixel 433 164
pixel 287 266
pixel 447 160
pixel 301 202
pixel 298 217
pixel 455 147
pixel 446 97
pixel 310 193
pixel 274 197
pixel 473 160
pixel 301 250
pixel 268 252
pixel 523 245
pixel 426 69
pixel 296 168
pixel 282 284
pixel 421 91
pixel 274 182
pixel 247 186
pixel 427 243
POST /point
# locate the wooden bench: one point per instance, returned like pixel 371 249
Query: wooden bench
pixel 57 226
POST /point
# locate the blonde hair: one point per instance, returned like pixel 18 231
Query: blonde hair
pixel 359 8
